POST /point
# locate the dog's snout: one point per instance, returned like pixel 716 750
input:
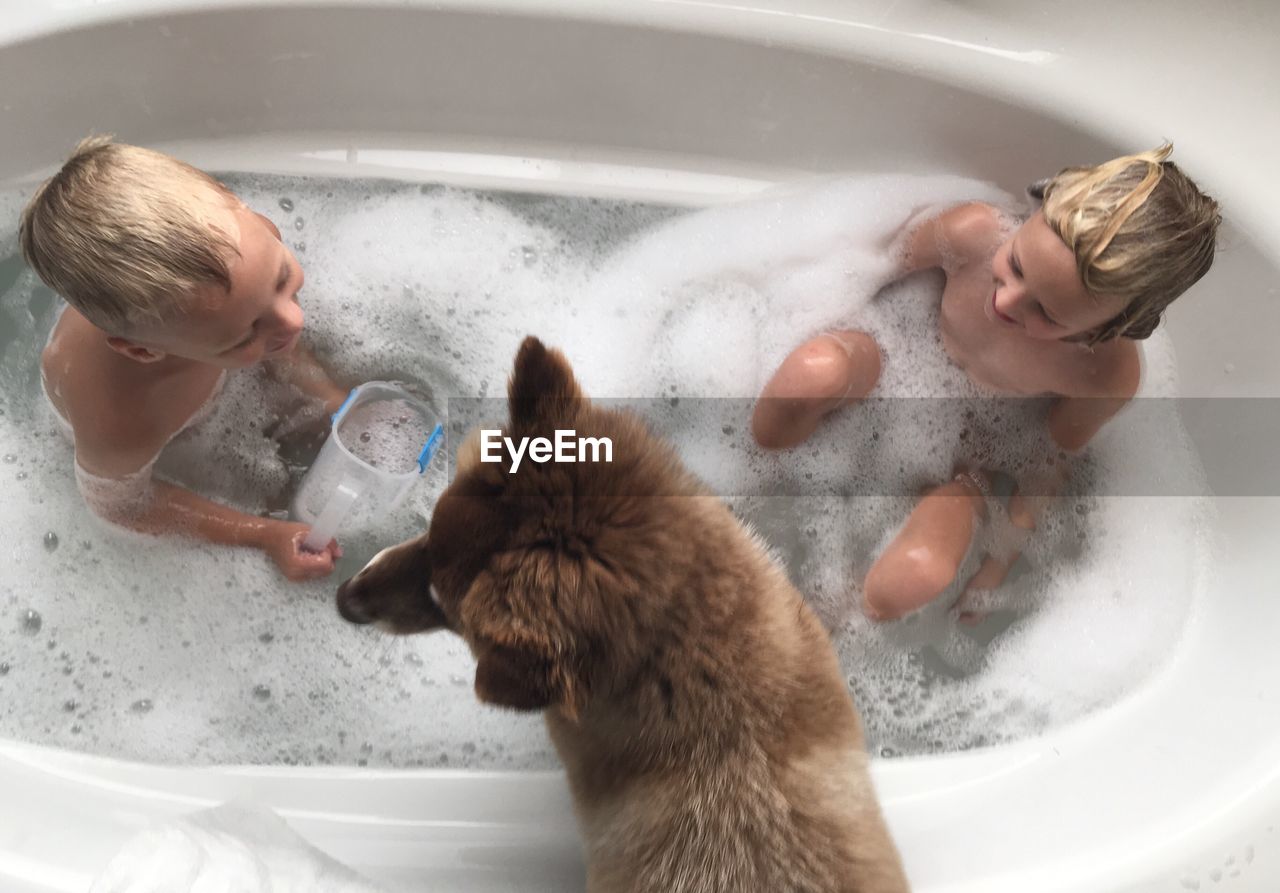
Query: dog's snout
pixel 349 607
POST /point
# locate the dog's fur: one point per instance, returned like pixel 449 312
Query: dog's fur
pixel 695 699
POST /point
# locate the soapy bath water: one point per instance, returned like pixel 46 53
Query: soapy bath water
pixel 388 434
pixel 436 287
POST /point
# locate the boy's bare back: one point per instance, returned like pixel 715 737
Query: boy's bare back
pixel 122 412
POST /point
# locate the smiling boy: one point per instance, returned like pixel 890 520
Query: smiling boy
pixel 1054 307
pixel 171 281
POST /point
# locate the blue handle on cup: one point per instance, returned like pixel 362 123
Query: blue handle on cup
pixel 429 448
pixel 343 408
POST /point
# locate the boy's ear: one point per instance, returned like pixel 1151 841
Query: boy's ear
pixel 135 351
pixel 543 393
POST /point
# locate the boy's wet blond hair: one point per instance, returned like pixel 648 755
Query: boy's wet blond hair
pixel 125 234
pixel 1141 231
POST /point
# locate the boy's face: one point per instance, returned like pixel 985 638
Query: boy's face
pixel 258 319
pixel 1038 287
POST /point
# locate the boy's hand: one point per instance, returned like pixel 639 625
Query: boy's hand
pixel 283 543
pixel 336 397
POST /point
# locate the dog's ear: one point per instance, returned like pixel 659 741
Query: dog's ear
pixel 523 675
pixel 543 393
pixel 524 651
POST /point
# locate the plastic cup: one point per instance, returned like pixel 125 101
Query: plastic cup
pixel 380 442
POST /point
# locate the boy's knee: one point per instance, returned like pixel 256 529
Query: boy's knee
pixel 826 369
pixel 811 383
pixel 898 584
pixel 818 377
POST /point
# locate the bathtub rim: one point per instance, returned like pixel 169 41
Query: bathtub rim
pixel 954 51
pixel 714 18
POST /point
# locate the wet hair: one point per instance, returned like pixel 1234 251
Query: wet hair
pixel 1140 230
pixel 125 234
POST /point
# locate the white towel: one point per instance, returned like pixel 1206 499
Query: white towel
pixel 233 848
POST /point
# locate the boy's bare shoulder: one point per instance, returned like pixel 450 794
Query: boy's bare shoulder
pixel 1114 371
pixel 958 237
pixel 972 230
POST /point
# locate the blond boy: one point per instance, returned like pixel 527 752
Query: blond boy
pixel 171 281
pixel 1054 309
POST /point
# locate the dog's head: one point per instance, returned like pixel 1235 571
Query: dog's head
pixel 549 573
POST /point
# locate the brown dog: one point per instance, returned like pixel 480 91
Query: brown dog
pixel 695 699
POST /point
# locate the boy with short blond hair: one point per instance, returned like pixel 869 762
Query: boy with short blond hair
pixel 172 281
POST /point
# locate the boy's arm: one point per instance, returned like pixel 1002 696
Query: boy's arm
pixel 833 369
pixel 173 510
pixel 301 369
pixel 115 480
pixel 950 239
pixel 1073 422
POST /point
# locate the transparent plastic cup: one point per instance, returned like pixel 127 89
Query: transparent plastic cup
pixel 380 442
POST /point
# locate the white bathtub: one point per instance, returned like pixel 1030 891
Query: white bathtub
pixel 696 101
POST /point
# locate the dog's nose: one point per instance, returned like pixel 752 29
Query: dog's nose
pixel 349 610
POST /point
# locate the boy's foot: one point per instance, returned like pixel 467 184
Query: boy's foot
pixel 970 608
